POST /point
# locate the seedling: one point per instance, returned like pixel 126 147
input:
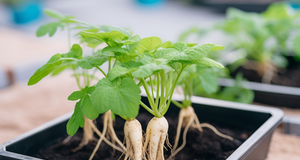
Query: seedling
pixel 132 63
pixel 265 38
pixel 192 78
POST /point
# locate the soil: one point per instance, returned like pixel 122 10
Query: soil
pixel 286 77
pixel 200 146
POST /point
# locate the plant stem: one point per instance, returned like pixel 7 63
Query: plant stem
pixel 162 85
pixel 154 108
pixel 165 108
pixel 109 64
pixel 101 71
pixel 147 108
pixel 177 104
pixel 157 90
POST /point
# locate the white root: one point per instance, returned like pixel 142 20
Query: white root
pixel 88 134
pixel 156 134
pixel 134 140
pixel 107 127
pixel 188 118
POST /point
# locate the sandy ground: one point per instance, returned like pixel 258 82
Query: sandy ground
pixel 23 108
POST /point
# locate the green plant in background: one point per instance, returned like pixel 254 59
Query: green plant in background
pixel 132 63
pixel 263 38
pixel 193 78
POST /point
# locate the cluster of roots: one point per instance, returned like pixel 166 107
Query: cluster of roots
pixel 138 148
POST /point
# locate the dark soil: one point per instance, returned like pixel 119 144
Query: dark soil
pixel 286 77
pixel 200 146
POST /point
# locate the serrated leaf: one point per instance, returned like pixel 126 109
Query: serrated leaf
pixel 148 44
pixel 209 62
pixel 88 108
pixel 200 51
pixel 49 28
pixel 122 99
pixel 121 69
pixel 76 95
pixel 148 69
pixel 109 38
pixel 180 46
pixel 90 62
pixel 54 14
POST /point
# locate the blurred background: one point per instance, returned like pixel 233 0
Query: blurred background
pixel 23 108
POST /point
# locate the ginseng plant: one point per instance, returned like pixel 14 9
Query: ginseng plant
pixel 192 78
pixel 72 60
pixel 85 111
pixel 158 68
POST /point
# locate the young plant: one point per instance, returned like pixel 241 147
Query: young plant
pixel 263 37
pixel 192 78
pixel 84 111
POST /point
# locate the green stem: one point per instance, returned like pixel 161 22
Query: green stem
pixel 147 108
pixel 77 79
pixel 101 71
pixel 165 108
pixel 157 90
pixel 154 108
pixel 109 63
pixel 162 85
pixel 177 104
pixel 151 84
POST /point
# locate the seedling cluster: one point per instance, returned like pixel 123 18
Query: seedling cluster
pixel 133 63
pixel 259 42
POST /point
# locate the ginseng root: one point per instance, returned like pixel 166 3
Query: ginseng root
pixel 157 131
pixel 188 118
pixel 134 140
pixel 107 125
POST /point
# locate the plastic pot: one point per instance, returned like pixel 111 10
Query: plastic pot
pixel 263 120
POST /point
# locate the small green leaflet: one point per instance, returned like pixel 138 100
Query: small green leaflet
pixel 76 121
pixel 56 61
pixel 49 28
pixel 209 62
pixel 148 70
pixel 90 62
pixel 121 97
pixel 121 69
pixel 54 14
pixel 110 38
pixel 76 95
pixel 149 44
pixel 209 82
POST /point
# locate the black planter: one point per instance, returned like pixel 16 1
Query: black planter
pixel 270 94
pixel 263 120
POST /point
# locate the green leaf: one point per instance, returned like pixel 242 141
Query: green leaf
pixel 54 14
pixel 90 62
pixel 43 72
pixel 76 120
pixel 109 38
pixel 76 95
pixel 122 98
pixel 200 51
pixel 148 69
pixel 167 44
pixel 49 28
pixel 114 49
pixel 148 44
pixel 209 62
pixel 61 68
pixel 209 82
pixel 88 108
pixel 180 46
pixel 121 69
pixel 75 52
pixel 296 46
